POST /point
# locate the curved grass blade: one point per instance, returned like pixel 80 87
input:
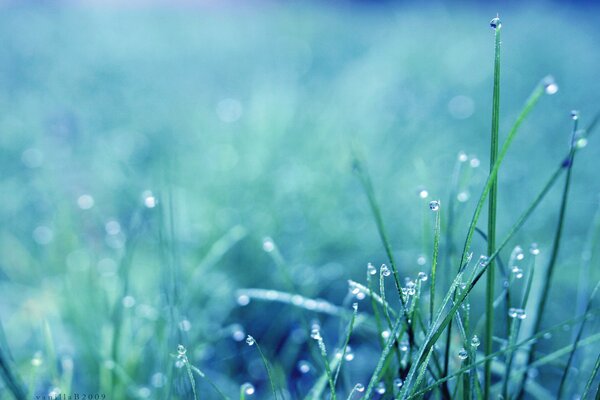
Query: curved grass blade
pixel 251 341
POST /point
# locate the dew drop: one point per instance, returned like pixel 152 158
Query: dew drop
pixel 483 261
pixel 434 205
pixel 574 115
pixel 359 387
pixel 547 335
pixel 371 270
pixel 181 350
pixel 421 260
pixel 422 276
pixel 462 156
pixel 517 272
pixel 149 199
pixel 462 354
pixel 349 356
pixel 380 389
pixel 385 271
pixel 475 342
pixel 403 345
pixel 243 300
pixel 534 249
pixel 517 313
pixel 304 366
pixel 550 86
pixel 268 244
pixel 463 196
pixel 355 306
pixel 398 383
pixel 422 192
pixel 495 23
pixel 237 332
pixel 37 359
pixel 315 333
pixel 518 253
pixel 250 340
pixel 247 388
pixel 385 334
pixel 475 163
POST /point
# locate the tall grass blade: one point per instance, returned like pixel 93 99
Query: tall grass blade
pixel 491 231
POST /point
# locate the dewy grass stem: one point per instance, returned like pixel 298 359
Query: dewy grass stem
pixel 491 232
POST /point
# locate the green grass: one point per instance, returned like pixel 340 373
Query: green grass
pixel 239 122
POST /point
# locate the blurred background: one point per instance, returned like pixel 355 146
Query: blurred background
pixel 148 149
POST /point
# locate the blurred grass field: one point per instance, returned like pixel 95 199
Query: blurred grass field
pixel 239 119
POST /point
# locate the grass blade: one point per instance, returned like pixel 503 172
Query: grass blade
pixel 563 379
pixel 491 232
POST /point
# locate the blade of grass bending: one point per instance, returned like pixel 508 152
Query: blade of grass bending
pixel 268 368
pixel 210 382
pixel 367 184
pixel 499 353
pixel 489 293
pixel 345 347
pixel 588 385
pixel 563 379
pixel 568 164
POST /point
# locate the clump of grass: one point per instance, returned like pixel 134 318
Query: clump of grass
pixel 407 326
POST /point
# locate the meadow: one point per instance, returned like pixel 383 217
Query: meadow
pixel 261 200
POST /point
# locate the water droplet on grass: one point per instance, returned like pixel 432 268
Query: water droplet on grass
pixel 398 383
pixel 517 272
pixel 268 244
pixel 475 342
pixel 359 387
pixel 462 354
pixel 315 333
pixel 534 249
pixel 371 270
pixel 243 300
pixel 247 388
pixel 181 350
pixel 385 271
pixel 517 313
pixel 475 163
pixel 422 276
pixel 574 115
pixel 434 205
pixel 250 340
pixel 422 192
pixel 149 199
pixel 380 389
pixel 550 86
pixel 495 23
